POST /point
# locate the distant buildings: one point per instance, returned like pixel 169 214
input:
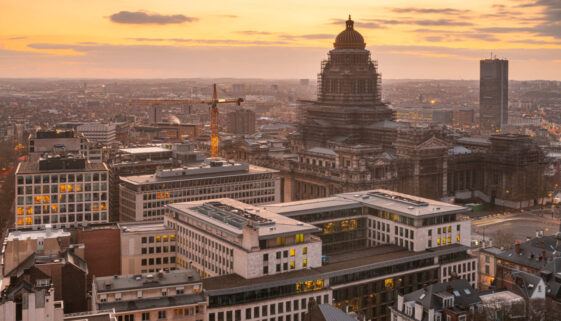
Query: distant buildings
pixel 143 197
pixel 493 94
pixel 61 190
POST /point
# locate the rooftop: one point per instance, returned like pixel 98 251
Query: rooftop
pixel 32 167
pixel 404 204
pixel 48 232
pixel 144 150
pixel 145 280
pixel 231 216
pixel 464 294
pixel 136 227
pixel 153 303
pixel 208 168
pixel 339 264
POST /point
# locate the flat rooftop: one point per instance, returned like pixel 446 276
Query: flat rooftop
pixel 231 216
pixel 144 150
pixel 136 227
pixel 339 264
pixel 146 280
pixel 201 170
pixel 36 234
pixel 154 303
pixel 32 167
pixel 394 202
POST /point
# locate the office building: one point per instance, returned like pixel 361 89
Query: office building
pixel 376 217
pixel 225 236
pixel 98 132
pixel 134 161
pixel 61 190
pixel 493 94
pixel 48 142
pixel 143 197
pixel 174 295
pixel 147 247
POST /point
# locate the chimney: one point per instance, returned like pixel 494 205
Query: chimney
pixel 517 248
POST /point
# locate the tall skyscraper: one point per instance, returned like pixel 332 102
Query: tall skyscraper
pixel 493 94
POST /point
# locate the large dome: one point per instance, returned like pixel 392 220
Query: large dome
pixel 349 38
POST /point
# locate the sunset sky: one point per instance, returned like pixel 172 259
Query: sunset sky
pixel 274 39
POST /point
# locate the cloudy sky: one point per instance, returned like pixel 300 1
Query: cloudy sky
pixel 274 39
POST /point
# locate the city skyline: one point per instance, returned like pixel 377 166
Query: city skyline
pixel 172 39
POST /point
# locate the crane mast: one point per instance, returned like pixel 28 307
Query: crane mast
pixel 213 109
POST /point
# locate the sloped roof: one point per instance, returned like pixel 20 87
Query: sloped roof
pixel 464 294
pixel 529 282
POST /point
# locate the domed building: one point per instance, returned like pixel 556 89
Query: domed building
pixel 348 140
pixel 349 97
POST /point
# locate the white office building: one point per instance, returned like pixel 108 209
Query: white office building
pixel 225 236
pixel 98 132
pixel 143 197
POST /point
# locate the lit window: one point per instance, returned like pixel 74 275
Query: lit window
pixel 438 241
pixel 46 199
pixel 37 199
pixel 62 188
pixel 443 240
pixel 458 237
pixel 172 237
pixel 20 221
pixel 292 252
pixel 305 250
pixel 299 238
pixel 158 238
pixel 165 238
pixel 449 229
pixel 20 210
pixel 292 265
pixel 449 239
pixel 304 263
pixel 28 221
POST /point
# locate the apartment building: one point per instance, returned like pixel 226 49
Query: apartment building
pixel 143 197
pixel 62 191
pixel 225 236
pixel 174 295
pixel 147 247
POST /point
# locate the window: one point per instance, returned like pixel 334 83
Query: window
pixel 248 313
pixel 305 250
pixel 145 316
pixel 304 263
pixel 299 238
pixel 292 252
pixel 161 314
pixel 292 265
pixel 265 270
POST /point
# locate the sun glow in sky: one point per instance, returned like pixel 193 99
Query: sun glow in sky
pixel 274 39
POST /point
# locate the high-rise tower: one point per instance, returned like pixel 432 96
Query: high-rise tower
pixel 349 95
pixel 493 94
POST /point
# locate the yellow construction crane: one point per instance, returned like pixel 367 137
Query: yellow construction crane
pixel 213 106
